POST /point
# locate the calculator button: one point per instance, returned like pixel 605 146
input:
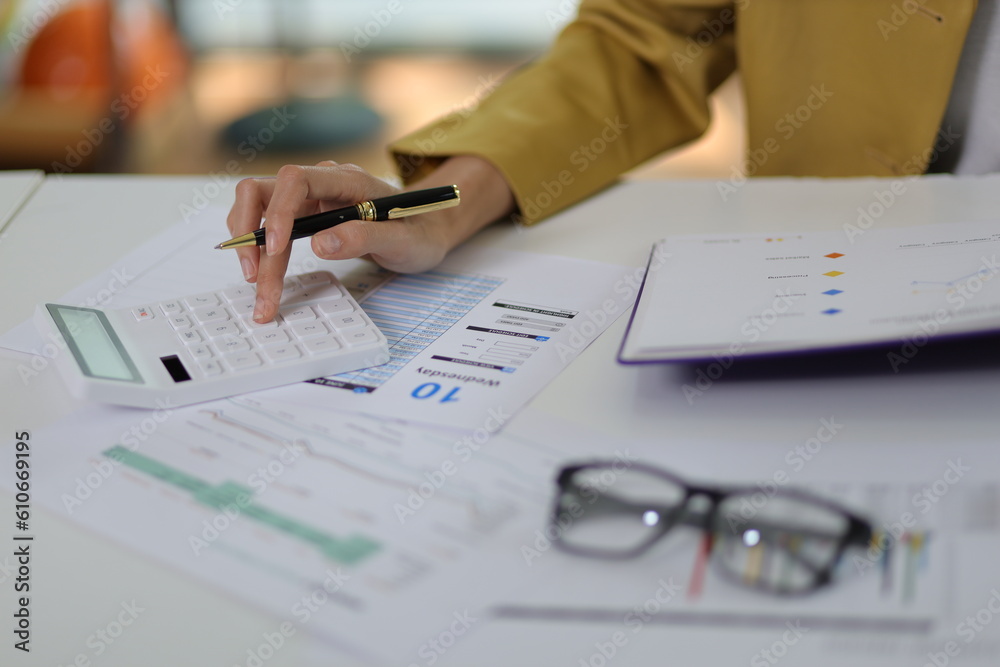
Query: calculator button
pixel 338 307
pixel 282 352
pixel 190 337
pixel 321 345
pixel 300 314
pixel 201 300
pixel 169 308
pixel 361 337
pixel 308 294
pixel 315 278
pixel 270 336
pixel 238 293
pixel 209 367
pixel 242 361
pixel 326 292
pixel 142 314
pixel 222 329
pixel 243 306
pixel 256 326
pixel 200 352
pixel 210 314
pixel 309 329
pixel 347 321
pixel 291 288
pixel 179 322
pixel 228 344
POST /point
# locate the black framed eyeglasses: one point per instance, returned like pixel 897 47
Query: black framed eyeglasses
pixel 786 541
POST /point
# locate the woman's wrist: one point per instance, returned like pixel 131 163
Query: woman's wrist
pixel 486 197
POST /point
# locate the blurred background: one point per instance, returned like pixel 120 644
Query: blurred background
pixel 210 86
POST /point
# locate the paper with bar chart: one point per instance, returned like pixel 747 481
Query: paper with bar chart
pixel 475 338
pixel 370 533
pixel 728 296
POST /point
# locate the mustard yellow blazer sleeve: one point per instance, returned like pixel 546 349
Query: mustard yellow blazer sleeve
pixel 623 82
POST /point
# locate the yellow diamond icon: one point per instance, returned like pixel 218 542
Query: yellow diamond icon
pixel 833 274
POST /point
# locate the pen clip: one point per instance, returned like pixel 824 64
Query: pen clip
pixel 396 213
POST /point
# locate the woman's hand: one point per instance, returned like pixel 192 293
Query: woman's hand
pixel 411 244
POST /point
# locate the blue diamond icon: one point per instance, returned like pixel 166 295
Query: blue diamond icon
pixel 831 311
pixel 833 292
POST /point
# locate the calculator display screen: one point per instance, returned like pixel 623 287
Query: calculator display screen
pixel 97 349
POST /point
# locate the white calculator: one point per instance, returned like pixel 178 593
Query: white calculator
pixel 206 346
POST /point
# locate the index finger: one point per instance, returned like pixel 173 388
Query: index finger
pixel 252 195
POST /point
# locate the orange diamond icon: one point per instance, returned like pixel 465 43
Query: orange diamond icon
pixel 833 274
pixel 834 255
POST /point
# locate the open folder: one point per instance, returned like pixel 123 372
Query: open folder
pixel 713 296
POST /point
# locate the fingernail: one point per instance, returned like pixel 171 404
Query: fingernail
pixel 247 268
pixel 270 244
pixel 329 244
pixel 258 312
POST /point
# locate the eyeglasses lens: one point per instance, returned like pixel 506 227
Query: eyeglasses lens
pixel 608 511
pixel 779 543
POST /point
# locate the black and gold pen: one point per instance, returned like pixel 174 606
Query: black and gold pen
pixel 385 208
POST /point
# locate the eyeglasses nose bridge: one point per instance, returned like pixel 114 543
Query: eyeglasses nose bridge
pixel 699 506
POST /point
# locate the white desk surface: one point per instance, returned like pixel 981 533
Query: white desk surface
pixel 76 226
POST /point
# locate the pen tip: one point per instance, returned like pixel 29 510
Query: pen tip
pixel 218 246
